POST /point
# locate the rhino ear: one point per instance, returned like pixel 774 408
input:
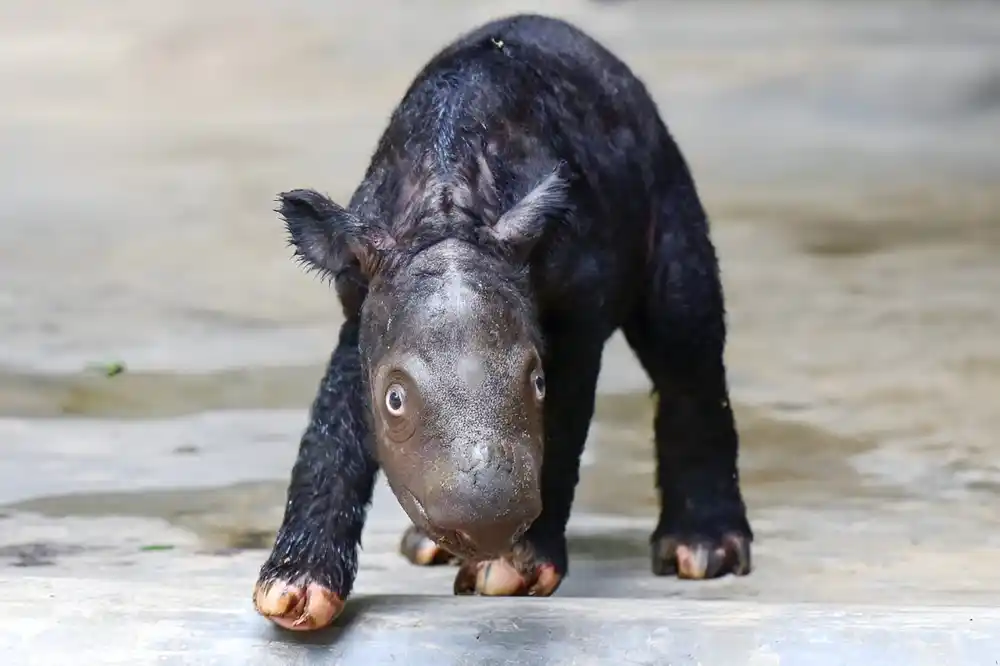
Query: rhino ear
pixel 327 237
pixel 520 228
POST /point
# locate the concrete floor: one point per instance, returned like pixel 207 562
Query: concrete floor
pixel 847 155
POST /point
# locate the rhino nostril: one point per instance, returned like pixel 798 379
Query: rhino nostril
pixel 490 538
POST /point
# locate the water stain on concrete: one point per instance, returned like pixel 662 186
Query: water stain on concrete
pixel 240 516
pixel 779 466
pixel 138 395
pixel 38 554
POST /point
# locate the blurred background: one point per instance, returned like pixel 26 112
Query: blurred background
pixel 159 348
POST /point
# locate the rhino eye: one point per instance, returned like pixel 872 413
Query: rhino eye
pixel 538 382
pixel 395 399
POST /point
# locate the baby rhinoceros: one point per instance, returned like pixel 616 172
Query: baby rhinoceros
pixel 524 203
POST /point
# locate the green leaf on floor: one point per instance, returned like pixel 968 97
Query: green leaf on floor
pixel 114 369
pixel 109 369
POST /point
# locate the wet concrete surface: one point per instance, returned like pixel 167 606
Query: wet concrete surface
pixel 179 625
pixel 846 152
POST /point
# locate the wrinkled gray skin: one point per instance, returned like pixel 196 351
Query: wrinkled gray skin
pixel 456 391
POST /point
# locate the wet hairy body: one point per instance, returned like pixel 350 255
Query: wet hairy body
pixel 524 203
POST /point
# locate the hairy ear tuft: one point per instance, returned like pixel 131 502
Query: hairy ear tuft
pixel 523 225
pixel 326 236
